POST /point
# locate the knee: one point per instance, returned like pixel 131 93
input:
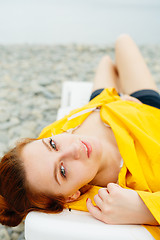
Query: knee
pixel 106 59
pixel 123 39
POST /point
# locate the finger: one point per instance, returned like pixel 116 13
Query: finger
pixel 112 186
pixel 98 201
pixel 94 210
pixel 138 101
pixel 135 99
pixel 103 193
pixel 129 98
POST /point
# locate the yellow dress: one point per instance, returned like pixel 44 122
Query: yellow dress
pixel 137 131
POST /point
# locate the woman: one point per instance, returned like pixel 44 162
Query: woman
pixel 88 147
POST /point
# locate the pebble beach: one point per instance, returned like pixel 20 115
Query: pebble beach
pixel 31 78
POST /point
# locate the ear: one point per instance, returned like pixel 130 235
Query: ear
pixel 73 197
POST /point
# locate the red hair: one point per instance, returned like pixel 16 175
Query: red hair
pixel 16 198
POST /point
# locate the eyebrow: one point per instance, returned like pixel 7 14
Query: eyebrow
pixel 55 169
pixel 46 145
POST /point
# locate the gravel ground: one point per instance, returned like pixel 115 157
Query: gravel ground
pixel 31 78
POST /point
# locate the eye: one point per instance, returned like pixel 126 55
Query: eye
pixel 63 172
pixel 53 144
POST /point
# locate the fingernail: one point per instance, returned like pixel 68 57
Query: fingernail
pixel 86 199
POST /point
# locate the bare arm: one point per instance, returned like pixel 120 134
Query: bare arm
pixel 129 98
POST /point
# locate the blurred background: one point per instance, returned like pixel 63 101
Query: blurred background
pixel 44 43
pixel 79 21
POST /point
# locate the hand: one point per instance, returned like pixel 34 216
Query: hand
pixel 129 98
pixel 116 205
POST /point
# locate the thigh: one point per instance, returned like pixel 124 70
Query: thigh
pixel 106 75
pixel 133 72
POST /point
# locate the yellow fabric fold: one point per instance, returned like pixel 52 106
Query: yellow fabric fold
pixel 137 131
pixel 81 203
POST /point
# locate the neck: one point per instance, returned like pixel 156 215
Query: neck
pixel 110 162
pixel 109 166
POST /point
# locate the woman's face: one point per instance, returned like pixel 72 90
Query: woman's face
pixel 62 164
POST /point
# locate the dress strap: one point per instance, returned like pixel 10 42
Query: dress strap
pixel 81 112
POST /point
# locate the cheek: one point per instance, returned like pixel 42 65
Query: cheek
pixel 83 174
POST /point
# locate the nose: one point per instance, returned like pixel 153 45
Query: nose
pixel 72 151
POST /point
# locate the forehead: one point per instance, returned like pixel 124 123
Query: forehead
pixel 32 145
pixel 34 153
pixel 37 165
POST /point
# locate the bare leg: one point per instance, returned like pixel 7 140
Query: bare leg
pixel 106 75
pixel 133 72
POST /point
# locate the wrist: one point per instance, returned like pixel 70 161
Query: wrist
pixel 144 216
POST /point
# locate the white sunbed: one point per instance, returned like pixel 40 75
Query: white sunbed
pixel 77 225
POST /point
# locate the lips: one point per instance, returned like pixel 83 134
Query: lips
pixel 87 148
